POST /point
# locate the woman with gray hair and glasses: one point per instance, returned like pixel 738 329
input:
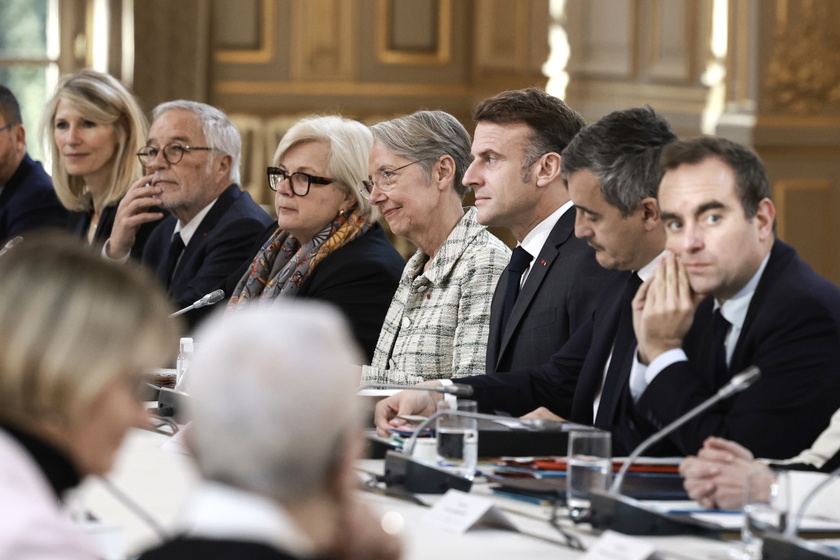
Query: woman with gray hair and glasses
pixel 327 245
pixel 438 322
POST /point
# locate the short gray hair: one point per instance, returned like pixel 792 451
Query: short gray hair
pixel 350 142
pixel 273 398
pixel 622 150
pixel 425 136
pixel 219 132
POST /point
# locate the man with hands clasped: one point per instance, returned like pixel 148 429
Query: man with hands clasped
pixel 768 308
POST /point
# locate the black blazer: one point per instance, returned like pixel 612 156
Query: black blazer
pixel 183 547
pixel 28 201
pixel 80 223
pixel 221 243
pixel 359 278
pixel 792 333
pixel 559 295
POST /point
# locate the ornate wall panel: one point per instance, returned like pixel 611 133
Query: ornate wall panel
pixel 805 219
pixel 602 35
pixel 671 40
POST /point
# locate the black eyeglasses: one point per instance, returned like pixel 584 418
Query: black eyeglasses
pixel 172 153
pixel 300 181
pixel 8 126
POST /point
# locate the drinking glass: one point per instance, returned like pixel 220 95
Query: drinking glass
pixel 766 503
pixel 457 439
pixel 588 467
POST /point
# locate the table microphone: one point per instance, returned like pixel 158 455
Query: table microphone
pixel 611 510
pixel 457 389
pixel 788 546
pixel 209 299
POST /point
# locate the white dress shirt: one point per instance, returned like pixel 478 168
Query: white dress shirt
pixel 536 238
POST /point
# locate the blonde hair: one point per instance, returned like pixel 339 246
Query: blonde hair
pixel 350 142
pixel 72 322
pixel 104 100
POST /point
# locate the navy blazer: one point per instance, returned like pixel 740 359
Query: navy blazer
pixel 28 201
pixel 792 333
pixel 559 295
pixel 221 243
pixel 568 383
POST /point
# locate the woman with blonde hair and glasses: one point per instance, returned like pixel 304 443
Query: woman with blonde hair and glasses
pixel 327 244
pixel 439 321
pixel 80 335
pixel 93 127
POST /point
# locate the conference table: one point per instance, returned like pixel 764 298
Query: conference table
pixel 156 474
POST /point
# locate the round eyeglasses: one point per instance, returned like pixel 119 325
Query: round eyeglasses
pixel 300 181
pixel 384 181
pixel 172 153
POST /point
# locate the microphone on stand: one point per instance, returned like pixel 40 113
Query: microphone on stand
pixel 209 299
pixel 611 510
pixel 457 389
pixel 788 546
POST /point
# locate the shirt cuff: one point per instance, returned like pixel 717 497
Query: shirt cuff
pixel 122 260
pixel 641 376
pixel 451 399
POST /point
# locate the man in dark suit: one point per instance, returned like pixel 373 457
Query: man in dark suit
pixel 767 308
pixel 552 285
pixel 277 448
pixel 27 197
pixel 192 163
pixel 611 171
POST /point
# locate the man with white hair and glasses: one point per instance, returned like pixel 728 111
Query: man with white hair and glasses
pixel 192 169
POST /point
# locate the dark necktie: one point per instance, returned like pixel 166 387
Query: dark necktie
pixel 720 329
pixel 175 250
pixel 625 342
pixel 519 261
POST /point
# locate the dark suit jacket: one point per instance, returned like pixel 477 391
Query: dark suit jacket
pixel 28 201
pixel 359 278
pixel 221 243
pixel 80 223
pixel 183 548
pixel 559 295
pixel 792 333
pixel 568 383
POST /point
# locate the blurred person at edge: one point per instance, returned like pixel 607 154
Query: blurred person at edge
pixel 277 443
pixel 73 358
pixel 326 243
pixel 439 320
pixel 92 127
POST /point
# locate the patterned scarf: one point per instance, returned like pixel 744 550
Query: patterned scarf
pixel 283 265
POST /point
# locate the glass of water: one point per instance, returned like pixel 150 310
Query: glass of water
pixel 766 503
pixel 457 439
pixel 588 467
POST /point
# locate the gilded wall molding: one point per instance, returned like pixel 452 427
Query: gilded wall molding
pixel 262 55
pixel 803 75
pixel 386 54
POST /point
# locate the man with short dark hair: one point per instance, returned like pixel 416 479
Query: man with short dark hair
pixel 27 197
pixel 552 284
pixel 192 164
pixel 767 308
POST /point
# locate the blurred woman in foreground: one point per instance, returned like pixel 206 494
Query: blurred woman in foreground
pixel 72 361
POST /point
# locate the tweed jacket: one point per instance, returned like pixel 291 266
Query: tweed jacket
pixel 439 320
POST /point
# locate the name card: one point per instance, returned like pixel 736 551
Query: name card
pixel 458 512
pixel 615 546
